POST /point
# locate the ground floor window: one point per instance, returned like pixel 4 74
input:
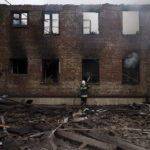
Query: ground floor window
pixel 90 70
pixel 50 70
pixel 18 65
pixel 130 69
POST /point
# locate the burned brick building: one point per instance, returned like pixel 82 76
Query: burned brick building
pixel 45 52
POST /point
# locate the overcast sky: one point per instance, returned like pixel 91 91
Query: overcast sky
pixel 40 2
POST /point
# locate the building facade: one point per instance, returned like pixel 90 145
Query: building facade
pixel 45 51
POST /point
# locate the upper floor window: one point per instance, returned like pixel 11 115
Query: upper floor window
pixel 90 23
pixel 51 23
pixel 130 22
pixel 20 19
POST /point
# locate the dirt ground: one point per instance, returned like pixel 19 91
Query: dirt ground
pixel 39 127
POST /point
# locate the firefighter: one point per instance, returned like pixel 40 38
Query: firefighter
pixel 84 87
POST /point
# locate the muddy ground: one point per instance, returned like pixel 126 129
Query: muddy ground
pixel 39 127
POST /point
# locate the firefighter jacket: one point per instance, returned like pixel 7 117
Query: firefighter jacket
pixel 84 89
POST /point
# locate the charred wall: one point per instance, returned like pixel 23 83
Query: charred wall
pixel 110 47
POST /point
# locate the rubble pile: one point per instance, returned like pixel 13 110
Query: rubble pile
pixel 40 127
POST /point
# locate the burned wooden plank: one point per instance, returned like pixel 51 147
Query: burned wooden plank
pixel 83 139
pixel 2 134
pixel 20 130
pixel 52 133
pixel 127 146
pixel 11 144
pixel 82 146
pixel 4 126
pixel 37 135
pixel 75 129
pixel 7 103
pixel 110 139
pixel 3 123
pixel 94 134
pixel 52 143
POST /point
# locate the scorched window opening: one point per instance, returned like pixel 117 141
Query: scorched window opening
pixel 50 70
pixel 90 70
pixel 18 65
pixel 130 75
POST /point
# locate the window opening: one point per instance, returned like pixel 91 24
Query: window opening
pixel 19 66
pixel 50 70
pixel 90 70
pixel 20 19
pixel 51 23
pixel 90 23
pixel 130 22
pixel 131 69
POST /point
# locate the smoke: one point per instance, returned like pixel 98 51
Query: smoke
pixel 132 60
pixel 40 2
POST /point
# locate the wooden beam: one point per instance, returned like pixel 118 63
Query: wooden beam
pixel 83 139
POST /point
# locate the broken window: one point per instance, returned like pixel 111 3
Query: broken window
pixel 90 23
pixel 130 22
pixel 90 70
pixel 19 65
pixel 51 23
pixel 131 69
pixel 50 70
pixel 20 19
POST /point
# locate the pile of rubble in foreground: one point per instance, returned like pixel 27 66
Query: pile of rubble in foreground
pixel 35 127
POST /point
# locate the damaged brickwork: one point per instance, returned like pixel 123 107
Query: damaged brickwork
pixel 69 48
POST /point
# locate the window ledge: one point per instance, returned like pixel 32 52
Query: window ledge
pixel 43 83
pixel 91 34
pixel 20 26
pixel 11 74
pixel 97 83
pixel 131 84
pixel 130 35
pixel 49 35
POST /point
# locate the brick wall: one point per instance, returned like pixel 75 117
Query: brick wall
pixel 71 46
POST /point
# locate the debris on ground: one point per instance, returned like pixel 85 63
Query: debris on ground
pixel 40 127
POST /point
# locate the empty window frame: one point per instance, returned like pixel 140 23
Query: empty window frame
pixel 51 23
pixel 130 72
pixel 130 22
pixel 50 70
pixel 20 19
pixel 19 65
pixel 90 23
pixel 90 70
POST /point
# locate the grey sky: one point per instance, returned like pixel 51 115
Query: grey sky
pixel 41 2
